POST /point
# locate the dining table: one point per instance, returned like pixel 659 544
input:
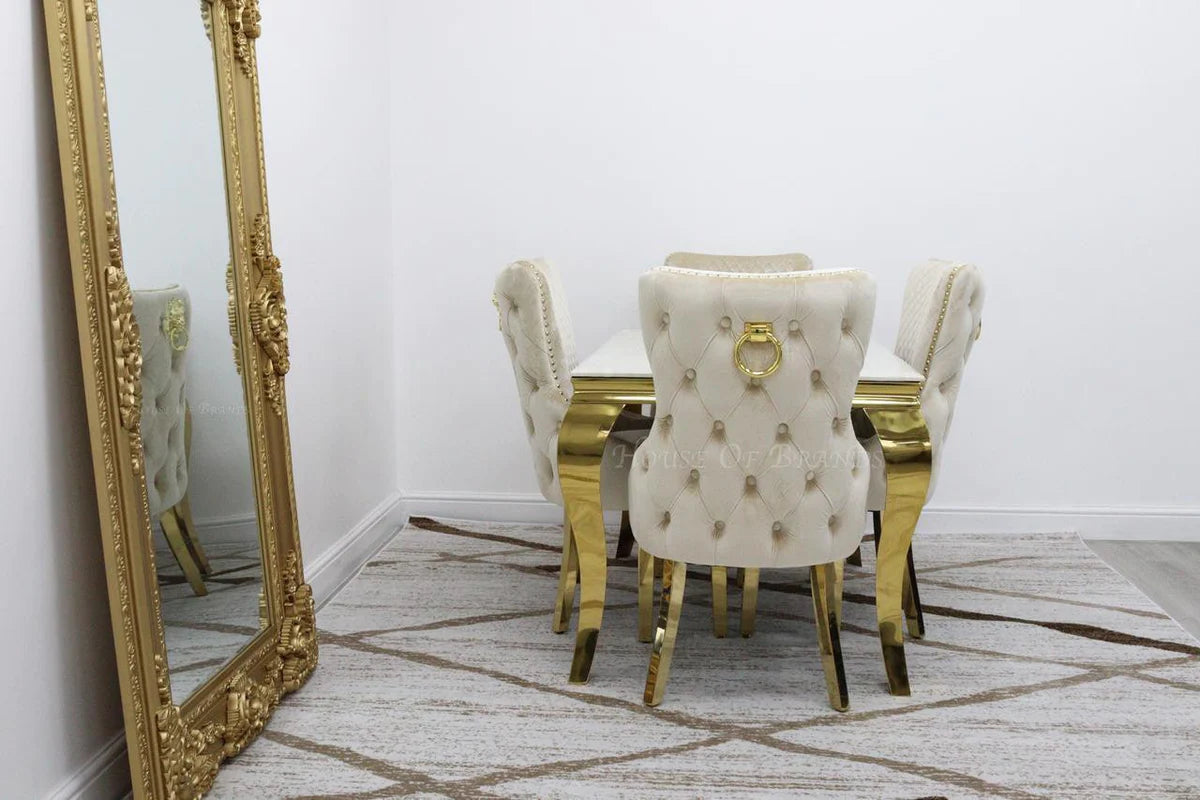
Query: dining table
pixel 618 375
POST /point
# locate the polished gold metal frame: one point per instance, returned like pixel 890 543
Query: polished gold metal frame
pixel 175 750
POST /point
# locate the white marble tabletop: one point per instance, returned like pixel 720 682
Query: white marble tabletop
pixel 624 356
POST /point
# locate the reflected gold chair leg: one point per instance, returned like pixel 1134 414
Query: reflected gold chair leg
pixel 749 600
pixel 645 596
pixel 720 601
pixel 625 540
pixel 674 575
pixel 567 578
pixel 822 579
pixel 179 549
pixel 183 513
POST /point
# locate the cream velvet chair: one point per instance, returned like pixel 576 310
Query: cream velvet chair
pixel 745 466
pixel 537 331
pixel 163 316
pixel 939 322
pixel 784 262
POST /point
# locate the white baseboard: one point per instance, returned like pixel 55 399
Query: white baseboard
pixel 333 569
pixel 1127 522
pixel 103 777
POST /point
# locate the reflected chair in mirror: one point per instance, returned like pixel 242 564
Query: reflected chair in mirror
pixel 536 327
pixel 163 316
pixel 940 320
pixel 752 460
pixel 783 262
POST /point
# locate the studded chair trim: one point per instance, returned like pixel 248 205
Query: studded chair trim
pixel 939 323
pixel 783 262
pixel 536 326
pixel 743 471
pixel 164 397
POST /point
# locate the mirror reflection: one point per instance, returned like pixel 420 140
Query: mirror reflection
pixel 166 136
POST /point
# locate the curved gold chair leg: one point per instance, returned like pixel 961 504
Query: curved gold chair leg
pixel 822 579
pixel 179 548
pixel 674 575
pixel 908 461
pixel 581 442
pixel 749 580
pixel 720 601
pixel 833 593
pixel 568 575
pixel 625 540
pixel 645 596
pixel 183 514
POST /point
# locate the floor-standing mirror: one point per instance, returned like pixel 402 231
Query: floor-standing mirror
pixel 183 328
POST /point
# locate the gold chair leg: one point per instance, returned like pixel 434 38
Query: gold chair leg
pixel 674 575
pixel 749 579
pixel 720 601
pixel 179 549
pixel 645 596
pixel 183 513
pixel 833 593
pixel 568 575
pixel 822 579
pixel 855 558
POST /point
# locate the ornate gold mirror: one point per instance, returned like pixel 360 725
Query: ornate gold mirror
pixel 183 334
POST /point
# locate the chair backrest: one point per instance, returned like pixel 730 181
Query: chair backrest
pixel 939 323
pixel 164 317
pixel 537 331
pixel 784 262
pixel 752 471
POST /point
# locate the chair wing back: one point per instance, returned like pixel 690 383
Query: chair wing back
pixel 748 471
pixel 537 331
pixel 939 323
pixel 784 262
pixel 164 317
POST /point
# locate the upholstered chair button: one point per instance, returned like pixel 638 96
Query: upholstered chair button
pixel 718 426
pixel 666 519
pixel 666 319
pixel 777 527
pixel 690 374
pixel 794 326
pixel 832 521
pixel 837 423
pixel 751 481
pixel 695 475
pixel 810 476
pixel 756 382
pixel 782 430
pixel 667 420
pixel 726 322
pixel 816 376
pixel 845 326
pixel 718 528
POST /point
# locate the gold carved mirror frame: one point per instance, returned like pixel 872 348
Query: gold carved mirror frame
pixel 175 750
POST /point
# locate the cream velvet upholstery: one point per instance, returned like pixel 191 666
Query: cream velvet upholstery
pixel 937 291
pixel 164 399
pixel 784 262
pixel 537 331
pixel 752 472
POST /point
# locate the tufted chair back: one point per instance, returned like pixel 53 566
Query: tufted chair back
pixel 537 332
pixel 785 262
pixel 164 317
pixel 939 323
pixel 752 471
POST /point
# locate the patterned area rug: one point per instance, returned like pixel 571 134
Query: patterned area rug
pixel 1044 675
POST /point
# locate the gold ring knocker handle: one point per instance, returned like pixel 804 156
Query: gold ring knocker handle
pixel 757 333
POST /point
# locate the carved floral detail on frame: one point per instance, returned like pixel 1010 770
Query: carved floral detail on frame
pixel 245 20
pixel 126 337
pixel 189 767
pixel 298 629
pixel 268 313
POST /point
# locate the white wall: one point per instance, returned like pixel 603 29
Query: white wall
pixel 330 209
pixel 1054 144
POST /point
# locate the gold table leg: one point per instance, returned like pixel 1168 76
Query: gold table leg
pixel 568 577
pixel 908 458
pixel 581 442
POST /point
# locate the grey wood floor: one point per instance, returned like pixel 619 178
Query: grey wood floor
pixel 1168 573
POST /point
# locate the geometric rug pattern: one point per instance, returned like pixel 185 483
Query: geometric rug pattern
pixel 1044 674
